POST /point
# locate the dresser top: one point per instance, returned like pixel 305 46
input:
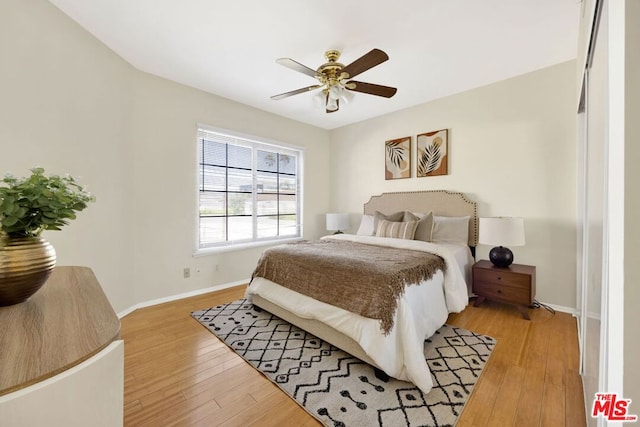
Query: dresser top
pixel 66 322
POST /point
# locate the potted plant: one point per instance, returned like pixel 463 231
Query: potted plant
pixel 28 206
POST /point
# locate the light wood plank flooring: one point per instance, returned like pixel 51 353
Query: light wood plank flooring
pixel 178 373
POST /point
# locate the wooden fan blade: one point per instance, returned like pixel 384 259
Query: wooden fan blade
pixel 296 66
pixel 366 61
pixel 372 89
pixel 295 92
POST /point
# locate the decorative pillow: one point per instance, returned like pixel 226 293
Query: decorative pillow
pixel 451 229
pixel 425 224
pixel 408 216
pixel 395 217
pixel 366 226
pixel 399 230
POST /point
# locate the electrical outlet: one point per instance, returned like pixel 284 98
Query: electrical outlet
pixel 186 273
pixel 217 267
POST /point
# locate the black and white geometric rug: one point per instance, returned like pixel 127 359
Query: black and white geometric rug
pixel 339 389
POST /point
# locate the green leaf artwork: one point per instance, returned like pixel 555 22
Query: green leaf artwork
pixel 429 160
pixel 432 153
pixel 397 158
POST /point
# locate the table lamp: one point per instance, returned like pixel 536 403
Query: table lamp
pixel 337 222
pixel 501 232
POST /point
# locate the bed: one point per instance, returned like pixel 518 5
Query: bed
pixel 419 311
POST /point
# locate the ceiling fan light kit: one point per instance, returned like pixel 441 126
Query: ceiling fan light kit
pixel 334 79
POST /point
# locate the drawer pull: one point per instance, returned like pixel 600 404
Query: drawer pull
pixel 499 278
pixel 499 291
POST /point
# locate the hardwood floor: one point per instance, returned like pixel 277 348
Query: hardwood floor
pixel 178 373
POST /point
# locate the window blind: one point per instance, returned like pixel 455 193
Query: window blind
pixel 248 190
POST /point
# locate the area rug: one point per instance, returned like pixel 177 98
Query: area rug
pixel 341 390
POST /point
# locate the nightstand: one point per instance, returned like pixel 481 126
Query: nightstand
pixel 515 284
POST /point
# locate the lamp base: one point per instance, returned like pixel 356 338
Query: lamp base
pixel 501 256
pixel 338 232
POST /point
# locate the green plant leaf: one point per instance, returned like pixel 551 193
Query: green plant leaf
pixel 21 212
pixel 6 206
pixel 9 221
pixel 29 205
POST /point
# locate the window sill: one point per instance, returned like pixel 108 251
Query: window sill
pixel 242 246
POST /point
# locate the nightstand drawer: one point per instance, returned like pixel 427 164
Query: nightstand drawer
pixel 503 292
pixel 502 278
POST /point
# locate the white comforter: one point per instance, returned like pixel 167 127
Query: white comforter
pixel 421 310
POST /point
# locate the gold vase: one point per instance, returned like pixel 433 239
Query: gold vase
pixel 25 265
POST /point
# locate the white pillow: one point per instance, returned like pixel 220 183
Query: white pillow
pixel 397 230
pixel 366 226
pixel 450 229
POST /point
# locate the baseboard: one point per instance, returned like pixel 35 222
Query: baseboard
pixel 180 296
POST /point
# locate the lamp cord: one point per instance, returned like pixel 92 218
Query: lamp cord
pixel 538 304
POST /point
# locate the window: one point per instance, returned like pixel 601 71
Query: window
pixel 249 191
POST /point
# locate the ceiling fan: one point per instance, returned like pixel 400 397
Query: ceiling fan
pixel 334 78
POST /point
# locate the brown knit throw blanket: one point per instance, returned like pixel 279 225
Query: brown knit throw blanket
pixel 361 278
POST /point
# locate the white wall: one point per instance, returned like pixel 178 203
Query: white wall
pixel 512 149
pixel 63 100
pixel 165 178
pixel 70 105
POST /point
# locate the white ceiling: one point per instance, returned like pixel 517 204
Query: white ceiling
pixel 436 47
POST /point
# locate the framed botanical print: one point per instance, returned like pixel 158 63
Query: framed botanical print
pixel 432 151
pixel 397 163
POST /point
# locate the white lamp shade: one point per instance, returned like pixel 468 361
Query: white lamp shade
pixel 501 231
pixel 334 92
pixel 337 221
pixel 332 104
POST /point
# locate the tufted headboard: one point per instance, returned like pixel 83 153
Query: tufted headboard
pixel 440 202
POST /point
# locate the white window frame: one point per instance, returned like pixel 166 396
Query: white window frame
pixel 256 143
